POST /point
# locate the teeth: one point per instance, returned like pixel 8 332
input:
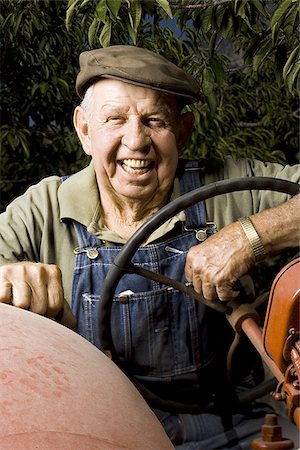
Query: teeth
pixel 136 166
pixel 136 163
pixel 134 171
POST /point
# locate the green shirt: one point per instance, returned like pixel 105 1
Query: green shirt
pixel 37 226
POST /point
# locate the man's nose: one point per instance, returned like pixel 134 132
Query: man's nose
pixel 136 136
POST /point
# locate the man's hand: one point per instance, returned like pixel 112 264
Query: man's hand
pixel 36 287
pixel 214 266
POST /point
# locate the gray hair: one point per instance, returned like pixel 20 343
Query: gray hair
pixel 88 102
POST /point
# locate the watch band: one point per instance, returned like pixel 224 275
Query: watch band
pixel 253 238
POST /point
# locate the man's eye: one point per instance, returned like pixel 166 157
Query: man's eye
pixel 156 122
pixel 114 118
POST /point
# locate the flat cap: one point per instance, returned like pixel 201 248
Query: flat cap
pixel 138 66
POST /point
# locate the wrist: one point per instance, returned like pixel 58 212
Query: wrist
pixel 253 238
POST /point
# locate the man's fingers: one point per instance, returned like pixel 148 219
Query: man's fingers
pixel 14 287
pixel 214 266
pixel 227 293
pixel 39 300
pixel 5 291
pixel 55 292
pixel 33 286
pixel 210 284
pixel 21 295
pixel 209 291
pixel 188 271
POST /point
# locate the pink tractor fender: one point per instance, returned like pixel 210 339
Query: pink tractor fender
pixel 58 391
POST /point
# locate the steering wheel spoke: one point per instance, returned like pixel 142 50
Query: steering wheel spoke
pixel 185 288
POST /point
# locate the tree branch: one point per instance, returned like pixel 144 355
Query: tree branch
pixel 296 113
pixel 249 124
pixel 203 5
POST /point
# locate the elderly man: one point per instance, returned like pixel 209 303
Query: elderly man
pixel 59 239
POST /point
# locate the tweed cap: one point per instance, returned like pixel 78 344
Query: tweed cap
pixel 136 66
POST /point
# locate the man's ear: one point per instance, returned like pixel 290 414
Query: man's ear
pixel 81 125
pixel 186 124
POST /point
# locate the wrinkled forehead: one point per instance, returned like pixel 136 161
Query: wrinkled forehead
pixel 109 93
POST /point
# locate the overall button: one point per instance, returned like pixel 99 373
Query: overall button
pixel 92 253
pixel 124 299
pixel 201 235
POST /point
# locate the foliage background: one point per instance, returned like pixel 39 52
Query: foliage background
pixel 245 55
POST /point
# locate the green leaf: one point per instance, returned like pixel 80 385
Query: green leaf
pixel 291 77
pixel 114 6
pixel 136 11
pixel 105 35
pixel 24 144
pixel 71 3
pixel 212 102
pixel 219 13
pixel 85 2
pixel 17 23
pixel 277 16
pixel 235 6
pixel 70 11
pixel 130 20
pixel 226 26
pixel 280 60
pixel 63 83
pixel 11 140
pixel 291 22
pixel 207 81
pixel 166 7
pixel 46 71
pixel 134 16
pixel 258 5
pixel 254 44
pixel 240 9
pixel 92 31
pixel 206 19
pixel 241 12
pixel 212 43
pixel 132 33
pixel 288 64
pixel 218 70
pixel 101 10
pixel 262 54
pixel 43 87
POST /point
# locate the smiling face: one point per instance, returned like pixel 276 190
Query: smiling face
pixel 134 136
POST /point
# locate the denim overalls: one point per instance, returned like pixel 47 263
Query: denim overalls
pixel 172 344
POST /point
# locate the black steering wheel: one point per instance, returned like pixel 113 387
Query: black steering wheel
pixel 122 263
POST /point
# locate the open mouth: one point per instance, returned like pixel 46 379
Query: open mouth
pixel 136 166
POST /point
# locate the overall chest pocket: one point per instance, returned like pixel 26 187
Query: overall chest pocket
pixel 156 333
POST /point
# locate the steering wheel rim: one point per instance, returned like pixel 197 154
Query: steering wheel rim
pixel 121 264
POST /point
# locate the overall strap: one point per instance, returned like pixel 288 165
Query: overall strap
pixel 88 243
pixel 189 174
pixel 86 239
